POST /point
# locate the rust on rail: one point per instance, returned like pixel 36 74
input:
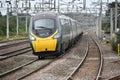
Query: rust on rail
pixel 115 77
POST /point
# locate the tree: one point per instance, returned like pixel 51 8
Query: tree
pixel 0 14
pixel 2 25
pixel 114 43
pixel 111 5
pixel 12 25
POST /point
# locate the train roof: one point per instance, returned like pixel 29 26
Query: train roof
pixel 46 15
pixel 52 15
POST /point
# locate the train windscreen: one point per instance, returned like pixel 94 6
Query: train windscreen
pixel 44 27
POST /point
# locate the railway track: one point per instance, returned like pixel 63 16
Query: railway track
pixel 84 60
pixel 22 77
pixel 15 69
pixel 10 49
pixel 54 61
pixel 79 65
pixel 12 71
pixel 98 77
pixel 115 77
pixel 42 64
pixel 21 68
pixel 46 65
pixel 14 53
pixel 9 43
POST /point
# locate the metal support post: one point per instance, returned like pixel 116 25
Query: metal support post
pixel 17 19
pixel 17 29
pixel 100 20
pixel 1 4
pixel 26 16
pixel 7 29
pixel 29 4
pixel 107 1
pixel 111 23
pixel 55 5
pixel 58 5
pixel 84 4
pixel 49 4
pixel 97 25
pixel 116 8
pixel 26 23
pixel 42 5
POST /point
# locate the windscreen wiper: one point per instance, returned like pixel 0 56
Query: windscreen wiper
pixel 42 27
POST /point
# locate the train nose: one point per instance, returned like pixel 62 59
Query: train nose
pixel 45 45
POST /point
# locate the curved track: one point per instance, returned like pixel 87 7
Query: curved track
pixel 24 76
pixel 79 65
pixel 101 60
pixel 56 62
pixel 71 72
pixel 84 60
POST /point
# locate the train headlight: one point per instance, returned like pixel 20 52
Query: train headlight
pixel 32 38
pixel 56 36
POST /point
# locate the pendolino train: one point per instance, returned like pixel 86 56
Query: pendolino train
pixel 51 33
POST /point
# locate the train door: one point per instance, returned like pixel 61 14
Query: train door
pixel 71 32
pixel 65 31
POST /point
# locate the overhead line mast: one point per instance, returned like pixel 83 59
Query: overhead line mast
pixel 116 12
pixel 84 4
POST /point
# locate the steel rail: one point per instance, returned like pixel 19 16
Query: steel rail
pixel 115 77
pixel 100 65
pixel 12 44
pixel 8 53
pixel 15 53
pixel 13 40
pixel 101 61
pixel 17 68
pixel 80 64
pixel 22 77
pixel 29 73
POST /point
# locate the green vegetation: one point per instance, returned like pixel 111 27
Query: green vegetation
pixel 106 21
pixel 114 43
pixel 12 27
pixel 106 25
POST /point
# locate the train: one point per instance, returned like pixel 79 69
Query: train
pixel 51 33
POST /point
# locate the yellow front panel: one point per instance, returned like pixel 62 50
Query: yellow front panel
pixel 44 44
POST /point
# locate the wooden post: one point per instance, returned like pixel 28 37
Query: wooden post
pixel 119 49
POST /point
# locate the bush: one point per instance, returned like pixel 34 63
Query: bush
pixel 114 45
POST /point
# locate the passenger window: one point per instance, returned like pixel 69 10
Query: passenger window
pixel 65 26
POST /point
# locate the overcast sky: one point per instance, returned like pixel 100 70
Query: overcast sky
pixel 88 3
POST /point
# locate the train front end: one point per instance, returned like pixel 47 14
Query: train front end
pixel 44 35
